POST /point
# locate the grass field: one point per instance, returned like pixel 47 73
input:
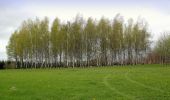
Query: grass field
pixel 141 82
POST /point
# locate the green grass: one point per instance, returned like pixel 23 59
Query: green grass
pixel 141 82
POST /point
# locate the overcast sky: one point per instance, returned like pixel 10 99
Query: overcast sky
pixel 14 12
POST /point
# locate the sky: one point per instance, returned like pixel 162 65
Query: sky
pixel 14 12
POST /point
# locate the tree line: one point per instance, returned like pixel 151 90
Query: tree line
pixel 79 43
pixel 161 51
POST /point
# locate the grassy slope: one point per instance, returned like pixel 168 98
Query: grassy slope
pixel 149 82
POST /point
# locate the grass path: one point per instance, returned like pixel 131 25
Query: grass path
pixel 105 80
pixel 141 84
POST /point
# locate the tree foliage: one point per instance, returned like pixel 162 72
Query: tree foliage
pixel 79 43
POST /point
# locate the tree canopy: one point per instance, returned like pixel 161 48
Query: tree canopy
pixel 79 43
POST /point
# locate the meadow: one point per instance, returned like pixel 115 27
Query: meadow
pixel 139 82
